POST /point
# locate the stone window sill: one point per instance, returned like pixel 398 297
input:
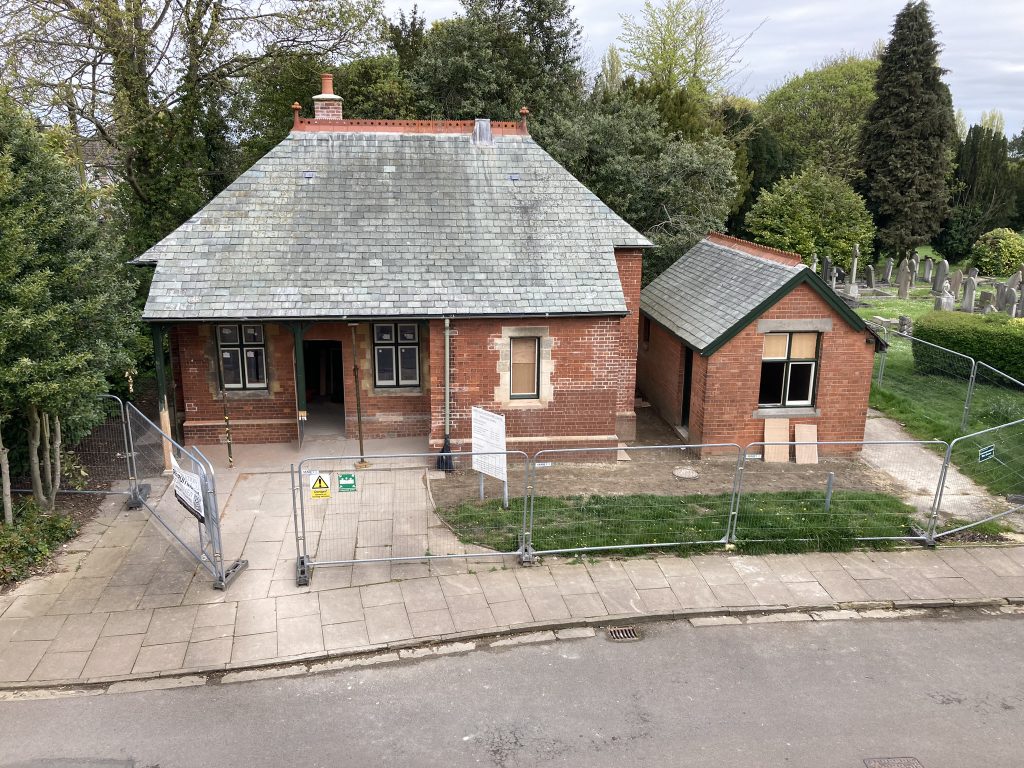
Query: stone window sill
pixel 787 413
pixel 397 391
pixel 246 394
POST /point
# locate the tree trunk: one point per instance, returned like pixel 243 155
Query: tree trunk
pixel 33 455
pixel 47 471
pixel 5 480
pixel 55 477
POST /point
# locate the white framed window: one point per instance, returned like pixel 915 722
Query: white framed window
pixel 242 354
pixel 789 367
pixel 396 355
pixel 525 380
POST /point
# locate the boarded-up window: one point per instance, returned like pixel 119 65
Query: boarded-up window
pixel 789 365
pixel 525 366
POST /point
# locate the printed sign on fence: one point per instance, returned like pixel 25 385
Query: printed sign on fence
pixel 188 490
pixel 986 453
pixel 346 481
pixel 489 436
pixel 319 487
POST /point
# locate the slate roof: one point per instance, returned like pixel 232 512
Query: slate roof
pixel 711 289
pixel 352 225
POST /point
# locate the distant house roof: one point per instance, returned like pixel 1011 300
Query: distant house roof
pixel 369 223
pixel 720 286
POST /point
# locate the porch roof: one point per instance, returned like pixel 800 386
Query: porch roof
pixel 363 225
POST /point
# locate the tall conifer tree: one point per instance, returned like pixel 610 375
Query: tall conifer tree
pixel 907 143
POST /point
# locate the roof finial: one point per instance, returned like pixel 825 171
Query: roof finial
pixel 523 114
pixel 296 108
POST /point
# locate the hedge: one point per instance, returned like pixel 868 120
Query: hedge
pixel 30 540
pixel 993 339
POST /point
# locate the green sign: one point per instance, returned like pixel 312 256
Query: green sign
pixel 346 481
pixel 986 453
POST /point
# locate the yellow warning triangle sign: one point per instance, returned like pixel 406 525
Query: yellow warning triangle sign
pixel 320 484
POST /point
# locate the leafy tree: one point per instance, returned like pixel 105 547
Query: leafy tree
pixel 994 121
pixel 984 196
pixel 406 36
pixel 811 213
pixel 999 252
pixel 65 298
pixel 907 139
pixel 609 78
pixel 818 116
pixel 682 44
pixel 498 57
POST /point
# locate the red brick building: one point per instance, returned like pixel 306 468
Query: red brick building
pixel 735 333
pixel 354 243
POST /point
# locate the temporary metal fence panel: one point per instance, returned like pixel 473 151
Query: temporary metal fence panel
pixel 996 398
pixel 406 508
pixel 97 460
pixel 920 371
pixel 854 491
pixel 178 487
pixel 646 497
pixel 983 479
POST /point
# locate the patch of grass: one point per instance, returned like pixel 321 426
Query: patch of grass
pixel 988 528
pixel 30 540
pixel 919 302
pixel 786 521
pixel 931 408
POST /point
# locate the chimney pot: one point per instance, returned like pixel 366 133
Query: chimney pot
pixel 327 84
pixel 523 114
pixel 327 106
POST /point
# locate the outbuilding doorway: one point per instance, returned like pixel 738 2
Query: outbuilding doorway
pixel 684 419
pixel 325 388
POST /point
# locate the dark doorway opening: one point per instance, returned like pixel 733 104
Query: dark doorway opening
pixel 325 387
pixel 687 387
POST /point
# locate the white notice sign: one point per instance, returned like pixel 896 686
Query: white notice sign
pixel 489 436
pixel 188 490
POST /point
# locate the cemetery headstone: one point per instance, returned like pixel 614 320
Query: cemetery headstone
pixel 914 267
pixel 955 281
pixel 929 265
pixel 904 280
pixel 1000 302
pixel 973 272
pixel 1011 302
pixel 970 285
pixel 814 263
pixel 1014 281
pixel 941 275
pixel 870 274
pixel 944 302
pixel 851 283
pixel 887 274
pixel 987 299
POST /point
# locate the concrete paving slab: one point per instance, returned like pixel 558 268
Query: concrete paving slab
pixel 60 666
pixel 79 633
pixel 257 647
pixel 342 637
pixel 586 606
pixel 546 603
pixel 645 574
pixel 387 623
pixel 113 656
pixel 256 617
pixel 299 635
pixel 431 623
pixel 19 660
pixel 39 628
pixel 840 586
pixel 302 604
pixel 424 594
pixel 160 658
pixel 380 594
pixel 339 606
pixel 208 653
pixel 171 625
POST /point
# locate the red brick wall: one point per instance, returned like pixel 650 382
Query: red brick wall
pixel 585 378
pixel 659 372
pixel 630 266
pixel 844 377
pixel 256 415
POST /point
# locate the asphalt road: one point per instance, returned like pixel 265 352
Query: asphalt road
pixel 949 692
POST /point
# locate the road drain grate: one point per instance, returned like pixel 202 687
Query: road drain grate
pixel 892 762
pixel 623 634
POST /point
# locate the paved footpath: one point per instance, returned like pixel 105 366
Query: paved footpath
pixel 125 603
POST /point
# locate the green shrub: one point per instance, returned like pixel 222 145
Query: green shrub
pixel 30 540
pixel 999 252
pixel 992 339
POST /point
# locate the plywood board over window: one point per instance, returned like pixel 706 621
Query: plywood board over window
pixel 806 439
pixel 776 431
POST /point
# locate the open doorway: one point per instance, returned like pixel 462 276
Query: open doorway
pixel 325 388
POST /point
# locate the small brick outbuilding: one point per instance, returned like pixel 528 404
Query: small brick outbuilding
pixel 734 333
pixel 349 249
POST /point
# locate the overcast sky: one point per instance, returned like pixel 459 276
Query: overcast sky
pixel 983 41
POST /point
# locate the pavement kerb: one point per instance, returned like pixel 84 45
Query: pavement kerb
pixel 304 663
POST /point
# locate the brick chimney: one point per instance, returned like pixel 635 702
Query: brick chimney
pixel 327 106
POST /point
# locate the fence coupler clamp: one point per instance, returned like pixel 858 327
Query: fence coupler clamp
pixel 526 553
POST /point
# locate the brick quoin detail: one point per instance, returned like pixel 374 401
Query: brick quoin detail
pixel 726 384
